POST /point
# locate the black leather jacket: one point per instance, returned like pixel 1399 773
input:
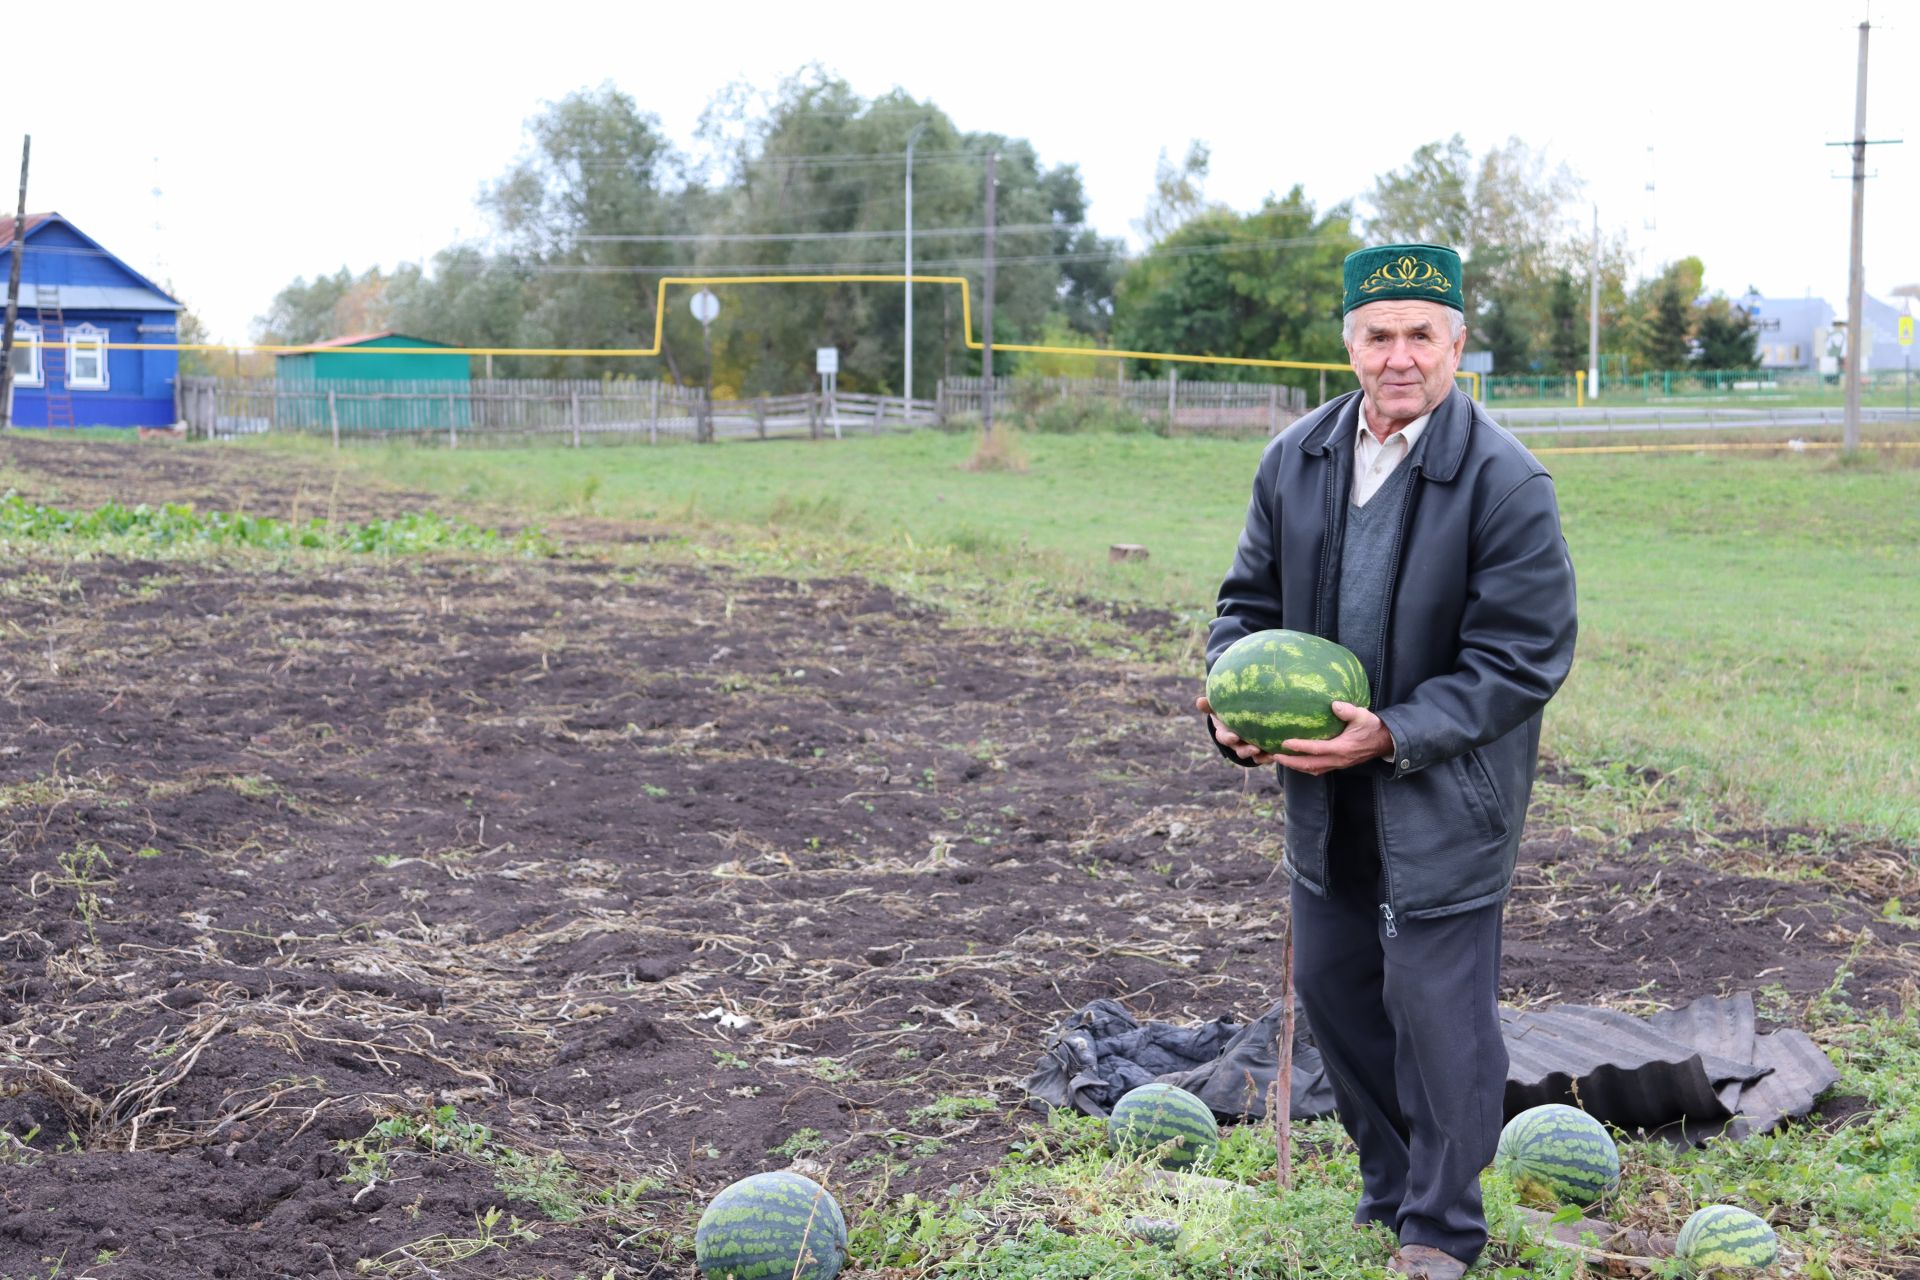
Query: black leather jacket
pixel 1479 635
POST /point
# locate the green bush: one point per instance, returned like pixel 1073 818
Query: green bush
pixel 1075 416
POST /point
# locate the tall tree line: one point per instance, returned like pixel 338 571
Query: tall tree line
pixel 810 179
pixel 601 205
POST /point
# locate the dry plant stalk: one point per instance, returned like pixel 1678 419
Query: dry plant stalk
pixel 1281 1103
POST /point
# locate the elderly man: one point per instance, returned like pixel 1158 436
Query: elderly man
pixel 1400 521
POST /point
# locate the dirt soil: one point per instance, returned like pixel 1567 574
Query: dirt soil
pixel 664 875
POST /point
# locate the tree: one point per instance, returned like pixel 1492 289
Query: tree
pixel 826 165
pixel 1668 322
pixel 304 312
pixel 1179 193
pixel 582 214
pixel 1726 336
pixel 1264 284
pixel 1566 330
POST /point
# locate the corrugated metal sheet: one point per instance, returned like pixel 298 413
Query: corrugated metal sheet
pixel 99 297
pixel 6 226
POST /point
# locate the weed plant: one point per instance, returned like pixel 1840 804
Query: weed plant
pixel 175 524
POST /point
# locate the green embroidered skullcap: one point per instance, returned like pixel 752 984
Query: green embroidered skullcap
pixel 1429 272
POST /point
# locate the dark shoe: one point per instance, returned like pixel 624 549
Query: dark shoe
pixel 1424 1262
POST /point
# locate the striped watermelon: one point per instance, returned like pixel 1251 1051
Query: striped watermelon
pixel 1275 685
pixel 1557 1154
pixel 1160 1231
pixel 1153 1115
pixel 770 1225
pixel 1720 1237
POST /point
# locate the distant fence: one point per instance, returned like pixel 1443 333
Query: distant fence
pixel 574 411
pixel 1682 416
pixel 1178 404
pixel 1679 384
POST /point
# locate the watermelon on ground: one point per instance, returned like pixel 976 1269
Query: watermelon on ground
pixel 1556 1154
pixel 1160 1231
pixel 771 1226
pixel 1275 685
pixel 1154 1115
pixel 1723 1237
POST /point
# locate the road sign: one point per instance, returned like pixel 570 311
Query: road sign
pixel 826 360
pixel 705 306
pixel 1906 331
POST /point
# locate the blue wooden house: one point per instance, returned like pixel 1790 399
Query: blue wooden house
pixel 75 299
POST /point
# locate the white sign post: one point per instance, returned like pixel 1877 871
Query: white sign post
pixel 706 308
pixel 826 363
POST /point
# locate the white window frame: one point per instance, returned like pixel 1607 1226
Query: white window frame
pixel 86 335
pixel 24 332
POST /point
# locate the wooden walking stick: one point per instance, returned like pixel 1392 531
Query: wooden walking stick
pixel 1280 1103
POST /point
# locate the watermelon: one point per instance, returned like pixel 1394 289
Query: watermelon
pixel 1275 685
pixel 1720 1237
pixel 771 1225
pixel 1149 1118
pixel 1160 1231
pixel 1558 1154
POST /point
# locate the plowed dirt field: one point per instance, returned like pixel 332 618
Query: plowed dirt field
pixel 661 873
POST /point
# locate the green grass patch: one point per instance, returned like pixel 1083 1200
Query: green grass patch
pixel 180 525
pixel 1745 619
pixel 1842 1198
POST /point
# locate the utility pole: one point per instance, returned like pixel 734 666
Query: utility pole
pixel 986 313
pixel 907 388
pixel 13 290
pixel 1855 285
pixel 1593 312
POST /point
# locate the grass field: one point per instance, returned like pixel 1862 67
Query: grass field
pixel 1745 619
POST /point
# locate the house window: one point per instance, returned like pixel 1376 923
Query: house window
pixel 87 359
pixel 26 359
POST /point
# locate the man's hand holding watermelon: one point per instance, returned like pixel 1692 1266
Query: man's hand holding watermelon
pixel 1365 738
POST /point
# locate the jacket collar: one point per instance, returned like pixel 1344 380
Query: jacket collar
pixel 1445 439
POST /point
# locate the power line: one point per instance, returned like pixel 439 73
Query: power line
pixel 803 160
pixel 1178 251
pixel 746 237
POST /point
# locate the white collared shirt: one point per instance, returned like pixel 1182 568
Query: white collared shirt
pixel 1374 461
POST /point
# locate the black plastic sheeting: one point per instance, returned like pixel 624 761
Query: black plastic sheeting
pixel 1687 1074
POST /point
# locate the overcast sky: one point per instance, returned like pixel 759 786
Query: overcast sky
pixel 292 140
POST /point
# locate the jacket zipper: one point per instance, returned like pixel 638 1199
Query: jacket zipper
pixel 1414 476
pixel 1320 621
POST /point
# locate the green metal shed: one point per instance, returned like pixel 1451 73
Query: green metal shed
pixel 356 383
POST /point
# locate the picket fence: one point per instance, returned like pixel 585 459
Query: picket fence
pixel 1173 403
pixel 582 411
pixel 493 411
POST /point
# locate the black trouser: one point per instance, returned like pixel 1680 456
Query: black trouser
pixel 1409 1028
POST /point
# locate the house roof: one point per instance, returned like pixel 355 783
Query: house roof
pixel 98 297
pixel 36 222
pixel 33 224
pixel 356 339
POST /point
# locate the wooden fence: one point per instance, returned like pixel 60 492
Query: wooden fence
pixel 496 411
pixel 1175 403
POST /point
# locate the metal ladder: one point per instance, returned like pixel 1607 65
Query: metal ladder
pixel 53 355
